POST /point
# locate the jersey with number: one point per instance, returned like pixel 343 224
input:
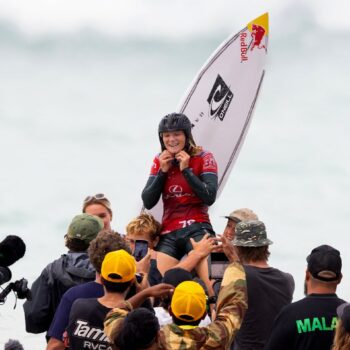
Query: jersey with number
pixel 181 205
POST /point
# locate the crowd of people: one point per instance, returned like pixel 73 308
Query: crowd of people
pixel 103 295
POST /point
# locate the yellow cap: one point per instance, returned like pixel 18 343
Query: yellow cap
pixel 118 267
pixel 189 301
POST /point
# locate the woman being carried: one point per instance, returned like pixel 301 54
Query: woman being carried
pixel 186 177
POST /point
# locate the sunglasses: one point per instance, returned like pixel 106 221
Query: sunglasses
pixel 98 197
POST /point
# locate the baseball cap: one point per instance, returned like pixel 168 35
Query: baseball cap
pixel 243 214
pixel 343 312
pixel 324 263
pixel 176 275
pixel 251 234
pixel 118 266
pixel 189 301
pixel 84 227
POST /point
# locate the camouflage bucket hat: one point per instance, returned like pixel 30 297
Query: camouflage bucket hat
pixel 251 234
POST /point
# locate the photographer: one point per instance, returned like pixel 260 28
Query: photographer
pixel 63 273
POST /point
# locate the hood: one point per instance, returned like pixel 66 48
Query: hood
pixel 72 269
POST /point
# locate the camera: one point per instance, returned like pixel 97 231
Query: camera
pixel 5 274
pixel 12 248
pixel 19 287
pixel 219 263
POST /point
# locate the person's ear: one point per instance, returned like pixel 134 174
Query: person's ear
pixel 307 275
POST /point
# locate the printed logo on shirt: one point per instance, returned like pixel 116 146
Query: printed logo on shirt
pixel 209 164
pixel 219 99
pixel 176 191
pixel 92 336
pixel 316 323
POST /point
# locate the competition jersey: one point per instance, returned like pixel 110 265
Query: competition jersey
pixel 181 205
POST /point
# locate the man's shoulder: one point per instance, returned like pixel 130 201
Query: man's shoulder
pixel 84 304
pixel 312 301
pixel 59 260
pixel 288 277
pixel 85 290
pixel 269 272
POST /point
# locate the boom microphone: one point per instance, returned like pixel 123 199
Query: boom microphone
pixel 12 248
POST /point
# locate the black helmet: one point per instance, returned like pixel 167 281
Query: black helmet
pixel 174 122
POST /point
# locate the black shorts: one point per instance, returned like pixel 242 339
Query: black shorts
pixel 177 243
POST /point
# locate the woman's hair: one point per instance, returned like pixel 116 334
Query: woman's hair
pixel 144 223
pixel 247 254
pixel 341 338
pixel 105 242
pixel 138 331
pixel 193 149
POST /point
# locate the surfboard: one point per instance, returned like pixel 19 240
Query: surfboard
pixel 222 97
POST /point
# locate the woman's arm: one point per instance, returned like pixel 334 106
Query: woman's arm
pixel 204 187
pixel 153 189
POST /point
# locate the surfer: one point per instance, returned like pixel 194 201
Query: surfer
pixel 186 177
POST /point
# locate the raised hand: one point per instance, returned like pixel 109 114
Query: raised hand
pixel 160 290
pixel 184 159
pixel 165 160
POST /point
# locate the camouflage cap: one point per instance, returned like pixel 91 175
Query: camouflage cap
pixel 251 233
pixel 243 214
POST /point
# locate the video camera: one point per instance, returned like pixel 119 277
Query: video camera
pixel 12 248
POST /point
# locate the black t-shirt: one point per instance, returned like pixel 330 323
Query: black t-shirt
pixel 85 328
pixel 307 324
pixel 269 290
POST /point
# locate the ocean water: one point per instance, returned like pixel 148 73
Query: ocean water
pixel 81 95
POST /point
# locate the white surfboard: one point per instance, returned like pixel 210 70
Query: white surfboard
pixel 221 100
pixel 222 97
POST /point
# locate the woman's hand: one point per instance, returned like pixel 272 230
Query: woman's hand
pixel 165 160
pixel 184 159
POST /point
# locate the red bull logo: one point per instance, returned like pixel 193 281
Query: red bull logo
pixel 258 34
pixel 258 37
pixel 244 47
